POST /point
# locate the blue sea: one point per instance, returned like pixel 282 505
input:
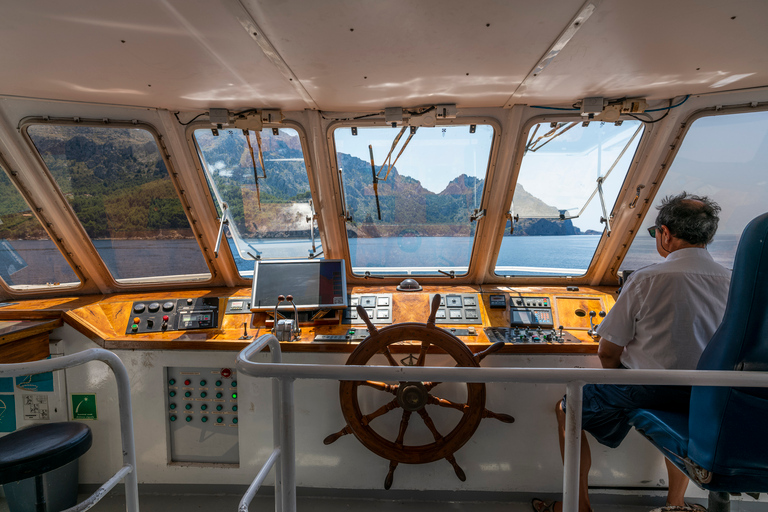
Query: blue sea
pixel 36 262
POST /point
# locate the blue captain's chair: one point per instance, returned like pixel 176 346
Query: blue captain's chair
pixel 721 442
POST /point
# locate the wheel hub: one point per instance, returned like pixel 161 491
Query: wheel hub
pixel 412 396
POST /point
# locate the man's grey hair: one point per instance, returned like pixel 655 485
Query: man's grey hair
pixel 688 217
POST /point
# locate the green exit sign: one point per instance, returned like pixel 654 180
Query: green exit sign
pixel 83 406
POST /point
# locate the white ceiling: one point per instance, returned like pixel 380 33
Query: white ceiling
pixel 365 55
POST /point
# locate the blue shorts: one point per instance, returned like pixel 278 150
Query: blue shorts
pixel 605 406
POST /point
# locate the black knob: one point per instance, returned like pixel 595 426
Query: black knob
pixel 592 314
pixel 602 314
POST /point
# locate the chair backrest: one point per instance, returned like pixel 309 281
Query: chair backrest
pixel 723 422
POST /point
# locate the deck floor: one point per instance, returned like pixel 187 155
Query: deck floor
pixel 186 502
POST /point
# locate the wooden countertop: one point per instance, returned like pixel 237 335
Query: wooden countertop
pixel 103 319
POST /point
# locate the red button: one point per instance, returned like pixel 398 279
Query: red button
pixel 187 382
pixel 165 318
pixel 226 372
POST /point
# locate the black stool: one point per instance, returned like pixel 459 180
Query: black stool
pixel 33 451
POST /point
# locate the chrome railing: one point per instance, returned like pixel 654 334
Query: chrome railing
pixel 283 456
pixel 128 471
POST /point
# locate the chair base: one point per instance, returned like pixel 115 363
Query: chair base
pixel 59 489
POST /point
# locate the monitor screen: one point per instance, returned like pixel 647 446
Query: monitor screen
pixel 314 284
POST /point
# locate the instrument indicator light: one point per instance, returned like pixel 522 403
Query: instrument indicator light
pixel 234 395
pixel 219 395
pixel 173 417
pixel 189 418
pixel 218 383
pixel 219 407
pixel 187 382
pixel 204 419
pixel 188 406
pixel 203 407
pixel 165 318
pixel 203 382
pixel 234 408
pixel 172 393
pixel 136 320
pixel 134 327
pixel 219 420
pixel 188 394
pixel 226 372
pixel 172 382
pixel 234 420
pixel 234 383
pixel 172 406
pixel 203 394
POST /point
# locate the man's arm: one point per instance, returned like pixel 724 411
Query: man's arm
pixel 609 353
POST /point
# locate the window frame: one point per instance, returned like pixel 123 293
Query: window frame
pixel 678 138
pixel 151 282
pixel 58 242
pixel 211 203
pixel 592 270
pixel 490 172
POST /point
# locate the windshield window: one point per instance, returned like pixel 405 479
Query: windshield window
pixel 415 218
pixel 28 256
pixel 558 209
pixel 722 157
pixel 269 206
pixel 117 184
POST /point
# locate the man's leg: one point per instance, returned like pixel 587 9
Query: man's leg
pixel 585 461
pixel 678 483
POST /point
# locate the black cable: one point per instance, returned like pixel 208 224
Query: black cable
pixel 190 121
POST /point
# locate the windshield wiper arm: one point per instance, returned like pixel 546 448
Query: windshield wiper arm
pixel 375 181
pixel 450 273
pixel 256 176
pixel 386 163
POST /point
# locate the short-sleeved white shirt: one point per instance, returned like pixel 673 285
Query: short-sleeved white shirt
pixel 667 312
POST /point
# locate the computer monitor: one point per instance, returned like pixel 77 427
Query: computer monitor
pixel 314 284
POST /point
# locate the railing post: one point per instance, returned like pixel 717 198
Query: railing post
pixel 572 451
pixel 277 415
pixel 288 446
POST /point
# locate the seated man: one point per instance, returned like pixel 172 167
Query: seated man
pixel 663 318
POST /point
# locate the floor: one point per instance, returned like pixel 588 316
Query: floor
pixel 155 501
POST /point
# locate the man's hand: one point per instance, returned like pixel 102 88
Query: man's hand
pixel 609 354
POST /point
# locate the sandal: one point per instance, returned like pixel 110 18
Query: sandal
pixel 542 505
pixel 688 507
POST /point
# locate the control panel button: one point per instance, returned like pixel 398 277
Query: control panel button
pixel 172 382
pixel 234 383
pixel 219 407
pixel 187 382
pixel 204 419
pixel 172 406
pixel 226 373
pixel 173 417
pixel 204 407
pixel 134 327
pixel 189 418
pixel 203 394
pixel 188 394
pixel 136 320
pixel 234 408
pixel 234 420
pixel 219 395
pixel 203 382
pixel 172 393
pixel 188 406
pixel 219 420
pixel 218 383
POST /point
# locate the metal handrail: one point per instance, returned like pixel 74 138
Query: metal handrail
pixel 128 471
pixel 573 378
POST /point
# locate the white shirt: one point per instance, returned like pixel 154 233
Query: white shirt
pixel 667 312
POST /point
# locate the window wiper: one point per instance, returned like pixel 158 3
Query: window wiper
pixel 387 160
pixel 550 136
pixel 226 220
pixel 450 273
pixel 256 176
pixel 375 181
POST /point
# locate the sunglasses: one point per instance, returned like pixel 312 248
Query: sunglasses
pixel 652 231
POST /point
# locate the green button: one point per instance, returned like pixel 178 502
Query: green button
pixel 204 419
pixel 234 395
pixel 218 383
pixel 219 395
pixel 203 382
pixel 234 383
pixel 188 406
pixel 219 419
pixel 188 394
pixel 172 393
pixel 173 406
pixel 189 418
pixel 234 408
pixel 134 327
pixel 203 394
pixel 203 407
pixel 173 417
pixel 172 382
pixel 234 420
pixel 219 407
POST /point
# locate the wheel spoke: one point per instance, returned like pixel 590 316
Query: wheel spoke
pixel 381 386
pixel 442 402
pixel 334 437
pixel 430 424
pixel 504 418
pixel 390 474
pixel 456 468
pixel 384 409
pixel 389 357
pixel 423 353
pixel 431 385
pixel 403 427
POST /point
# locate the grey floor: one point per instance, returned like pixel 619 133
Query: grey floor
pixel 155 501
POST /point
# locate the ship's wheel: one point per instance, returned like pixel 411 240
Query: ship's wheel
pixel 414 396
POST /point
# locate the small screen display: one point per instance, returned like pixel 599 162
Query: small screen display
pixel 196 317
pixel 312 283
pixel 531 317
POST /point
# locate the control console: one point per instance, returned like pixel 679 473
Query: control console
pixel 530 312
pixel 173 315
pixel 523 335
pixel 458 308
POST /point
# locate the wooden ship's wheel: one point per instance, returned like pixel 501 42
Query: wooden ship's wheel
pixel 414 396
